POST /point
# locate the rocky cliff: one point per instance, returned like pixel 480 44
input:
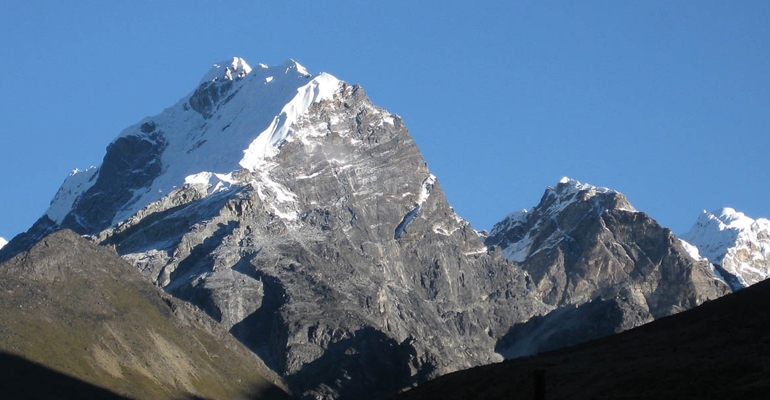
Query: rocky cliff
pixel 303 219
pixel 593 257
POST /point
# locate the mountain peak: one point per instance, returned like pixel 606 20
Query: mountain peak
pixel 738 244
pixel 568 199
pixel 228 70
pixel 568 191
pixel 290 64
pixel 729 218
pixel 568 185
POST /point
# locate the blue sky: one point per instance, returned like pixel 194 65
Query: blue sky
pixel 667 102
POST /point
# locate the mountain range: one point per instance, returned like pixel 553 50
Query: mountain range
pixel 303 220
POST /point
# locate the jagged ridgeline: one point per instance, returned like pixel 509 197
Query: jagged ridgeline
pixel 303 219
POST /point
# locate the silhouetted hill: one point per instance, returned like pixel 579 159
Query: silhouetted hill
pixel 23 379
pixel 720 350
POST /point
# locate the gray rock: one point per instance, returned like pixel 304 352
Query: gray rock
pixel 587 247
pixel 365 269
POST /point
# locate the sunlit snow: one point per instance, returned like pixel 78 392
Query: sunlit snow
pixel 734 241
pixel 76 183
pixel 262 105
pixel 3 242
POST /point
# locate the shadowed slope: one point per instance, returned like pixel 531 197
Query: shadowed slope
pixel 77 308
pixel 23 379
pixel 715 351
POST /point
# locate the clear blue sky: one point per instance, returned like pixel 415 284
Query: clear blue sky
pixel 667 102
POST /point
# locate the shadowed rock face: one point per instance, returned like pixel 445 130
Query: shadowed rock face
pixel 718 350
pixel 131 163
pixel 339 259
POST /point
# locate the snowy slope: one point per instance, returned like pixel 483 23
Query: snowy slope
pixel 738 244
pixel 204 143
pixel 3 242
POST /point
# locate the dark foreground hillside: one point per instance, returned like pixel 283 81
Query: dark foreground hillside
pixel 23 379
pixel 720 350
pixel 74 318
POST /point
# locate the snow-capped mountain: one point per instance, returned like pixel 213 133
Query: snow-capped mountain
pixel 3 242
pixel 604 267
pixel 197 141
pixel 738 245
pixel 304 219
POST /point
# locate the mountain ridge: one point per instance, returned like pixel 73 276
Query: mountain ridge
pixel 303 219
pixel 737 245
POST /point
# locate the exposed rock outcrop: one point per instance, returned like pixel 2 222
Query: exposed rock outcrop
pixel 586 246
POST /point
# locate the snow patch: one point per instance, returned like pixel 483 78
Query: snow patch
pixel 228 70
pixel 427 186
pixel 3 242
pixel 482 250
pixel 268 142
pixel 213 181
pixel 76 183
pixel 691 250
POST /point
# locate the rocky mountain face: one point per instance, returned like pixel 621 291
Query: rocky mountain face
pixel 79 309
pixel 737 245
pixel 715 351
pixel 593 257
pixel 302 219
pixel 325 244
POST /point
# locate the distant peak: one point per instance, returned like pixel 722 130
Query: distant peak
pixel 3 242
pixel 568 185
pixel 728 218
pixel 569 190
pixel 228 70
pixel 291 64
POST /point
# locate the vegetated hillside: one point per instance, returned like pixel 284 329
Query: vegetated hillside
pixel 719 350
pixel 80 310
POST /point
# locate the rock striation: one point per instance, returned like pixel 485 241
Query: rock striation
pixel 593 257
pixel 303 219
